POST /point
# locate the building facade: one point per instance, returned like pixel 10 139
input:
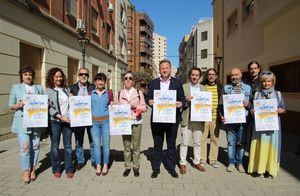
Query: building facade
pixel 140 45
pixel 268 32
pixel 159 51
pixel 196 49
pixel 43 34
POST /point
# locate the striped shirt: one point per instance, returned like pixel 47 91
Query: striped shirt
pixel 237 89
pixel 214 90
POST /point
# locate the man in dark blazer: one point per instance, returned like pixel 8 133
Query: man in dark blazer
pixel 82 88
pixel 165 82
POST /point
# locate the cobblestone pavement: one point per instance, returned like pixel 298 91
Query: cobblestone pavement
pixel 85 182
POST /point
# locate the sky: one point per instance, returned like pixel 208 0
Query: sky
pixel 173 19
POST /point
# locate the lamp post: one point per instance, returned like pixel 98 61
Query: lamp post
pixel 83 42
pixel 218 60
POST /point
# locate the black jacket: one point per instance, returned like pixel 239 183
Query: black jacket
pixel 175 84
pixel 74 89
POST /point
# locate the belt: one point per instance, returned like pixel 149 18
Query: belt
pixel 101 118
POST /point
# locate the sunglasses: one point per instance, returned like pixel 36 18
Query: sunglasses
pixel 266 73
pixel 128 78
pixel 84 74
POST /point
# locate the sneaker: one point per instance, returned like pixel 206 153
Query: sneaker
pixel 230 168
pixel 214 164
pixel 240 168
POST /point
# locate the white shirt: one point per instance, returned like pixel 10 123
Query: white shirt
pixel 165 84
pixel 63 101
pixel 28 89
pixel 82 90
pixel 194 88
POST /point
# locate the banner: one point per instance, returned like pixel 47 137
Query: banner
pixel 120 120
pixel 80 111
pixel 201 106
pixel 266 117
pixel 35 111
pixel 164 108
pixel 234 110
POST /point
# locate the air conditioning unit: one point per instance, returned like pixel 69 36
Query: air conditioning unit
pixel 111 48
pixel 80 26
pixel 110 7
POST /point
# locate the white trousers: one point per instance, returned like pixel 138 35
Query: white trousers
pixel 195 129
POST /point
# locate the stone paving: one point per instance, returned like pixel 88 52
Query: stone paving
pixel 85 182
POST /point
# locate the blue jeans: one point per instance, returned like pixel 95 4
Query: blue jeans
pixel 29 149
pixel 58 128
pixel 79 139
pixel 101 136
pixel 235 148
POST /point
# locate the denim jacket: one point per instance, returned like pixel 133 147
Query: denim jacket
pixel 246 90
pixel 16 94
pixel 100 104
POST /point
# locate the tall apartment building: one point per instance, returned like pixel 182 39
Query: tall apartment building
pixel 196 49
pixel 43 34
pixel 159 51
pixel 140 46
pixel 265 31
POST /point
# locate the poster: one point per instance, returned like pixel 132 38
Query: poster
pixel 35 111
pixel 80 111
pixel 201 106
pixel 120 120
pixel 164 108
pixel 266 117
pixel 234 110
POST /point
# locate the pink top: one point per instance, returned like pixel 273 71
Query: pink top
pixel 134 99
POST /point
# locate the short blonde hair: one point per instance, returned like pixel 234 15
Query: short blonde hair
pixel 268 75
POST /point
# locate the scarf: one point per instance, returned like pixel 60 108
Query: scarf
pixel 267 92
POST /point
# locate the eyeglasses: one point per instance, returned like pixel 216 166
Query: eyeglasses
pixel 128 78
pixel 84 74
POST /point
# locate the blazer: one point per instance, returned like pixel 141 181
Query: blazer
pixel 54 108
pixel 175 84
pixel 137 99
pixel 186 109
pixel 74 89
pixel 16 94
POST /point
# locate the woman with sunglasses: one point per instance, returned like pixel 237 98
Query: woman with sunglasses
pixel 135 98
pixel 28 138
pixel 266 145
pixel 58 96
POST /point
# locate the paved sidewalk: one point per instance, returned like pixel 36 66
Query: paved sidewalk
pixel 85 182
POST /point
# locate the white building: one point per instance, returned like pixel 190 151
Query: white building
pixel 159 50
pixel 204 44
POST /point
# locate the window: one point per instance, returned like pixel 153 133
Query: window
pixel 203 35
pixel 72 8
pixel 248 7
pixel 232 22
pixel 108 30
pixel 94 21
pixel 204 54
pixel 287 76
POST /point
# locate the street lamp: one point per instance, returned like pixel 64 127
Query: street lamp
pixel 218 60
pixel 83 42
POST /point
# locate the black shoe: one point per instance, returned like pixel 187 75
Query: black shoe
pixel 126 172
pixel 136 172
pixel 79 166
pixel 155 173
pixel 173 173
pixel 94 165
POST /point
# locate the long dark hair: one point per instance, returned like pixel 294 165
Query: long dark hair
pixel 50 78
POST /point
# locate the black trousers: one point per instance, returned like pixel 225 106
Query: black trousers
pixel 158 132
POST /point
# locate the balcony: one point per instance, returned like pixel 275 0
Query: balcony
pixel 147 40
pixel 144 60
pixel 146 50
pixel 147 30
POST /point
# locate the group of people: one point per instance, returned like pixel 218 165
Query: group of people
pixel 264 146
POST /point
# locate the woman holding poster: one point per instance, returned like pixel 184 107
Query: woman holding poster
pixel 28 138
pixel 100 130
pixel 59 111
pixel 133 97
pixel 266 145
